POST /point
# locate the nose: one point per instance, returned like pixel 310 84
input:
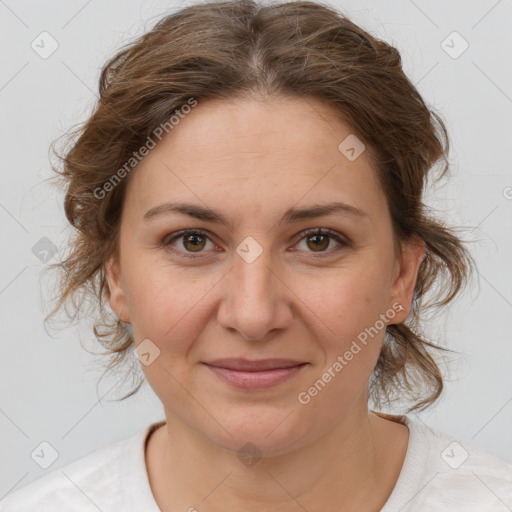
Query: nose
pixel 255 299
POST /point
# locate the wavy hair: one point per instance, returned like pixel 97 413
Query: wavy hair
pixel 244 49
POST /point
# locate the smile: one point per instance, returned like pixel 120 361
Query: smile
pixel 260 374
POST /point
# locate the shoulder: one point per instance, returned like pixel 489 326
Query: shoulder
pixel 95 479
pixel 470 478
pixel 443 473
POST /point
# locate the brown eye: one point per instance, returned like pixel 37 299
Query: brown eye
pixel 194 242
pixel 318 242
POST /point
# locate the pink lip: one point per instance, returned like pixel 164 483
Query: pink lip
pixel 254 374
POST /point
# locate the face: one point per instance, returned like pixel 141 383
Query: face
pixel 256 280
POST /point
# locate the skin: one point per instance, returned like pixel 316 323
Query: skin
pixel 252 160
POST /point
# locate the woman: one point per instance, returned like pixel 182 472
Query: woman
pixel 248 201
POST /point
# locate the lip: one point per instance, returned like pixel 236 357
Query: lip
pixel 257 374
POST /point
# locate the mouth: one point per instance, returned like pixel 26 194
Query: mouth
pixel 257 374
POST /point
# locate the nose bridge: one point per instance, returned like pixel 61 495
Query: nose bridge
pixel 252 271
pixel 251 303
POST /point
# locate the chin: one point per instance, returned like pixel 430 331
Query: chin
pixel 264 431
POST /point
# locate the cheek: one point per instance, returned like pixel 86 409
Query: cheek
pixel 353 301
pixel 166 305
pixel 356 329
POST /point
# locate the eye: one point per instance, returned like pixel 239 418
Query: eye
pixel 318 240
pixel 194 241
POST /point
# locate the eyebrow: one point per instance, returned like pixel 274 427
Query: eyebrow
pixel 291 215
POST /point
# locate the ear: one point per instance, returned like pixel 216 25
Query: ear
pixel 117 295
pixel 406 274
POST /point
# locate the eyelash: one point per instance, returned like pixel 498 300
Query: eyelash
pixel 304 234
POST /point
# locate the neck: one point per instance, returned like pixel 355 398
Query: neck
pixel 352 467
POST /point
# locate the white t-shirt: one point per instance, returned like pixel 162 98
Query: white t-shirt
pixel 438 474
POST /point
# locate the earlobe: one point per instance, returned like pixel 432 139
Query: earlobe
pixel 413 253
pixel 117 296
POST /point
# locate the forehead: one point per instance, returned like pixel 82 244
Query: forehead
pixel 259 155
pixel 279 127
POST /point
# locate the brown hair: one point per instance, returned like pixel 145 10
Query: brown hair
pixel 242 49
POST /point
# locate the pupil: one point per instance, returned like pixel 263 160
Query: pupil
pixel 320 238
pixel 194 241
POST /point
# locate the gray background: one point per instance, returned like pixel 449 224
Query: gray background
pixel 49 383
